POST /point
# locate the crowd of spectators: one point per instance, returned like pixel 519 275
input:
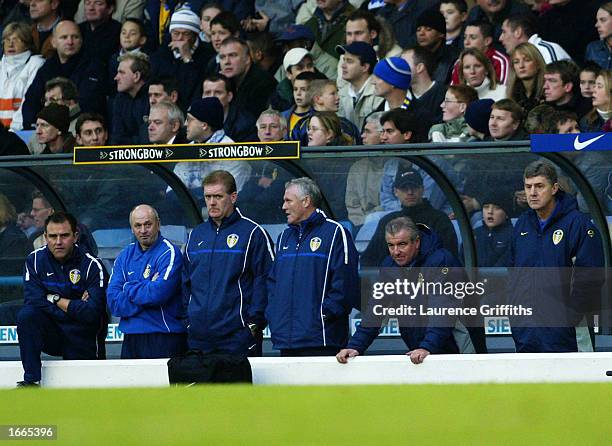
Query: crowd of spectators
pixel 326 73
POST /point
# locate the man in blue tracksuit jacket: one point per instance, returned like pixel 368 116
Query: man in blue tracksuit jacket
pixel 414 248
pixel 145 291
pixel 554 235
pixel 314 282
pixel 227 260
pixel 64 300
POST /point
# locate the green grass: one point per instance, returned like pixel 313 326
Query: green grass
pixel 579 414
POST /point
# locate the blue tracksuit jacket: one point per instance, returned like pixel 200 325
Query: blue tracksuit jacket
pixel 145 289
pixel 81 272
pixel 432 258
pixel 224 277
pixel 313 285
pixel 568 240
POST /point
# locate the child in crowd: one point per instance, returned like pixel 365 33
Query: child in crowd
pixel 302 107
pixel 588 74
pixel 132 39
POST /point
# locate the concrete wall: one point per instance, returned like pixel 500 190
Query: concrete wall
pixel 442 369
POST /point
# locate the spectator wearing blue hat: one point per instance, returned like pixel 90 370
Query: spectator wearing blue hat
pixel 391 79
pixel 300 36
pixel 477 115
pixel 357 98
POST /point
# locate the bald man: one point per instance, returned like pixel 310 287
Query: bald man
pixel 87 72
pixel 145 291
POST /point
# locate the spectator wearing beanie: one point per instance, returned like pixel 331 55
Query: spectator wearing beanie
pixel 494 236
pixel 52 124
pixel 401 17
pixel 185 58
pixel 391 79
pixel 477 116
pixel 205 125
pixel 431 35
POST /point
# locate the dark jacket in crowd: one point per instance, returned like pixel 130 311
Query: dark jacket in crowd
pixel 493 244
pixel 89 75
pixel 127 118
pixel 590 125
pixel 445 57
pixel 430 260
pixel 330 33
pixel 263 202
pixel 427 107
pixel 600 53
pixel 512 7
pixel 578 104
pixel 189 76
pixel 422 213
pixel 11 144
pixel 570 25
pixel 557 271
pixel 404 22
pixel 14 247
pixel 102 41
pixel 255 90
pixel 240 124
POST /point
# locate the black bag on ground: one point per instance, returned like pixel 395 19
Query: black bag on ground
pixel 196 367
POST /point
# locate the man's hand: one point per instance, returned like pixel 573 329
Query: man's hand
pixel 183 48
pixel 262 23
pixel 417 356
pixel 346 353
pixel 85 296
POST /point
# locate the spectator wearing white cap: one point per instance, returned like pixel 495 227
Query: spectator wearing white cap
pixel 185 58
pixel 300 36
pixel 296 61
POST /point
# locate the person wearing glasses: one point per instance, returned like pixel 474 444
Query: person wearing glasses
pixel 454 128
pixel 18 67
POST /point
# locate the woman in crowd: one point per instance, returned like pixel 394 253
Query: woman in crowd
pixel 526 82
pixel 324 129
pixel 18 67
pixel 476 70
pixel 597 120
pixel 600 51
pixel 454 128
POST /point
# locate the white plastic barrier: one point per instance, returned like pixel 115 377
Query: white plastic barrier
pixel 443 369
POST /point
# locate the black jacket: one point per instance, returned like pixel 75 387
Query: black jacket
pixel 404 22
pixel 89 75
pixel 14 247
pixel 423 213
pixel 240 124
pixel 11 144
pixel 128 115
pixel 571 26
pixel 255 90
pixel 188 75
pixel 102 41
